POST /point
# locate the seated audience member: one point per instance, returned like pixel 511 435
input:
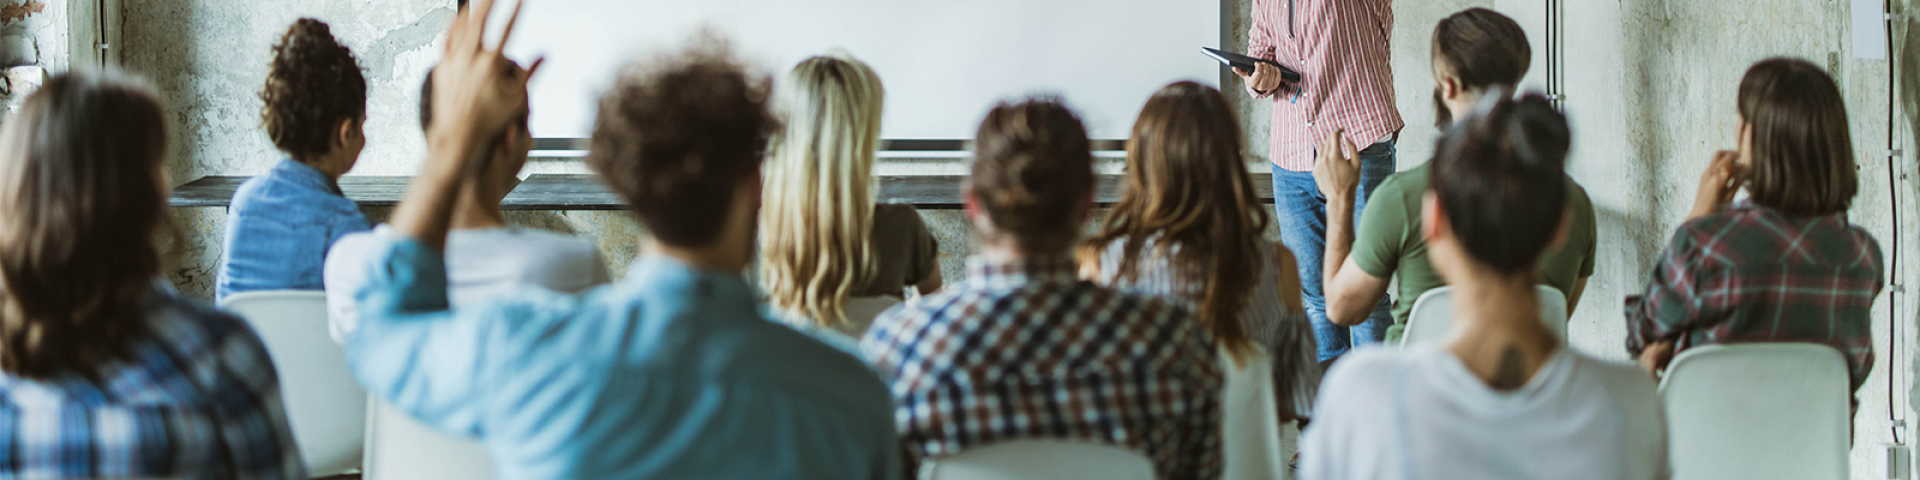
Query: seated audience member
pixel 1476 52
pixel 671 373
pixel 1188 228
pixel 1784 265
pixel 1503 397
pixel 281 224
pixel 485 257
pixel 108 373
pixel 823 239
pixel 1023 349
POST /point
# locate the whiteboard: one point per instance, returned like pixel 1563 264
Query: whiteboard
pixel 944 63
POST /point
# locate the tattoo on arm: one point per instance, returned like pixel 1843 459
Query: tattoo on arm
pixel 1512 373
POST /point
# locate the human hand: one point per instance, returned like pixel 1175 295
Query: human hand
pixel 476 88
pixel 1655 357
pixel 1337 168
pixel 1724 178
pixel 1264 78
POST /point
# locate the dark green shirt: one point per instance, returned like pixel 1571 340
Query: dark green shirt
pixel 1389 242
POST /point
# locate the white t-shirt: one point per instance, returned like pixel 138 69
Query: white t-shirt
pixel 1421 414
pixel 481 264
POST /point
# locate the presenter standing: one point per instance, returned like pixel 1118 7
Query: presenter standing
pixel 1340 48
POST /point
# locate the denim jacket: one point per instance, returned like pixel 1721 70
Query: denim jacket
pixel 279 228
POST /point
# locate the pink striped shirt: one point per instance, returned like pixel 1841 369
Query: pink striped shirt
pixel 1340 48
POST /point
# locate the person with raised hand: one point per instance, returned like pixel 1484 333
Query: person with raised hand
pixel 1502 397
pixel 672 372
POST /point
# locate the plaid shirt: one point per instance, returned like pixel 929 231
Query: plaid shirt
pixel 198 398
pixel 1026 350
pixel 1751 274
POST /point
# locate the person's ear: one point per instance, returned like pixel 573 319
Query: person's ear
pixel 1450 88
pixel 1432 220
pixel 1563 231
pixel 347 133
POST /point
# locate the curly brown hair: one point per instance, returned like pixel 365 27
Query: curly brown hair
pixel 86 200
pixel 1032 172
pixel 676 134
pixel 314 83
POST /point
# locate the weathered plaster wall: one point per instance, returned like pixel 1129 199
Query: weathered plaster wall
pixel 1650 84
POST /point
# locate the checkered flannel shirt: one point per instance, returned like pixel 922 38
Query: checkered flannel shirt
pixel 197 399
pixel 1751 274
pixel 1025 350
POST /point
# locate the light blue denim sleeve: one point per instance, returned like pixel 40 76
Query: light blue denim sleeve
pixel 410 349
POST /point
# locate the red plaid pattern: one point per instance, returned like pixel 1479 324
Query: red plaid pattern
pixel 1753 275
pixel 1026 350
pixel 1341 49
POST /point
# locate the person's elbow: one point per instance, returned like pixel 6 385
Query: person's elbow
pixel 1346 309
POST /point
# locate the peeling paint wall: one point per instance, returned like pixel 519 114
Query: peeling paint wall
pixel 1651 86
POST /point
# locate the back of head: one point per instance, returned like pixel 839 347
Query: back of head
pixel 1802 153
pixel 84 195
pixel 819 187
pixel 1500 178
pixel 1187 183
pixel 1484 49
pixel 1032 174
pixel 677 134
pixel 313 85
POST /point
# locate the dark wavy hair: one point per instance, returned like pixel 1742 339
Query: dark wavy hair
pixel 1484 49
pixel 313 84
pixel 1500 176
pixel 1187 182
pixel 1032 172
pixel 83 188
pixel 676 134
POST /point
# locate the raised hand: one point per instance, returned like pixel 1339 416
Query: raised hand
pixel 475 87
pixel 1337 169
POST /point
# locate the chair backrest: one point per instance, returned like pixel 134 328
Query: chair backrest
pixel 861 311
pixel 401 448
pixel 1250 418
pixel 1758 411
pixel 1432 314
pixel 1040 460
pixel 326 407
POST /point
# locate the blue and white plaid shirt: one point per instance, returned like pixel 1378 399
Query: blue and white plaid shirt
pixel 1025 350
pixel 198 398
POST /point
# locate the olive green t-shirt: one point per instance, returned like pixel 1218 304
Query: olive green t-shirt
pixel 1389 242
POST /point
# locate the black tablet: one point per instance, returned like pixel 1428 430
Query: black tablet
pixel 1244 62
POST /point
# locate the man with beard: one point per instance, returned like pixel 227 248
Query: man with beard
pixel 1476 52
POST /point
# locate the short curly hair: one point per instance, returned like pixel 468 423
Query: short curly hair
pixel 314 83
pixel 676 135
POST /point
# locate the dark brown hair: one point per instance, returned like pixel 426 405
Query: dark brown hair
pixel 1803 161
pixel 84 197
pixel 1500 176
pixel 1032 173
pixel 1482 48
pixel 314 83
pixel 675 136
pixel 1187 183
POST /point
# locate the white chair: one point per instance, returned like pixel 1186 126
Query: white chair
pixel 1250 419
pixel 326 407
pixel 861 311
pixel 1040 460
pixel 1758 411
pixel 1432 315
pixel 401 448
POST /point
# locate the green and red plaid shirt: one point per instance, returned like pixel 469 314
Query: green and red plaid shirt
pixel 1751 274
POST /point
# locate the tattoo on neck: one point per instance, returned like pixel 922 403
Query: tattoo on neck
pixel 1512 373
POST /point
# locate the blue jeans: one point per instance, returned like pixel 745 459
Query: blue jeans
pixel 1302 214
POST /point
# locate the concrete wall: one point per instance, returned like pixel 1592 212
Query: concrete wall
pixel 1651 86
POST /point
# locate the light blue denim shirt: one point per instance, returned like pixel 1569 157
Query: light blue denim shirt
pixel 670 373
pixel 279 228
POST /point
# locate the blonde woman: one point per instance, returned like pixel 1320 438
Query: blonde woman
pixel 823 240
